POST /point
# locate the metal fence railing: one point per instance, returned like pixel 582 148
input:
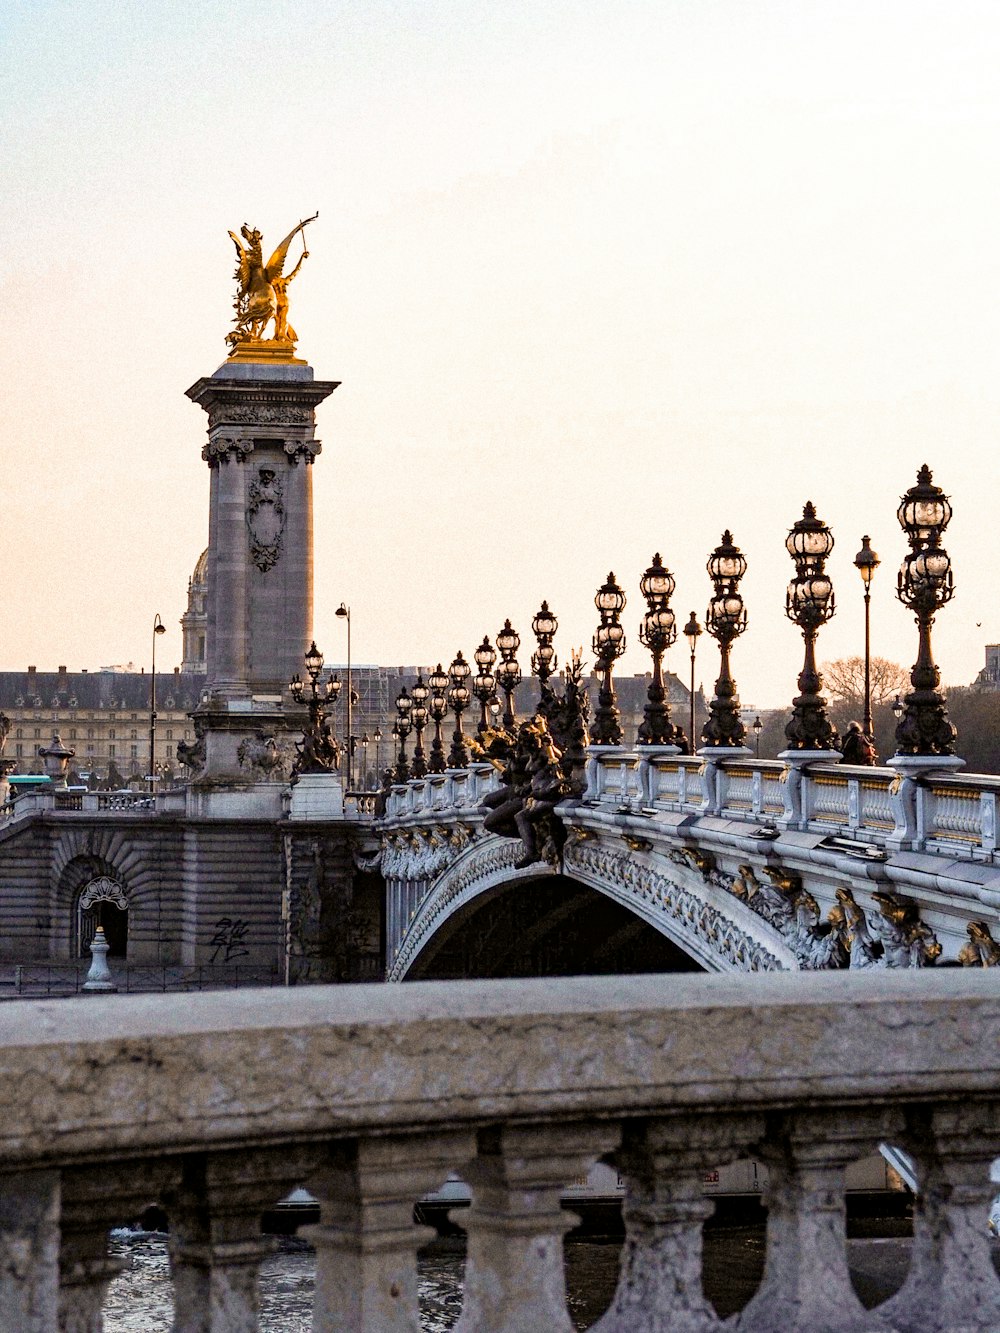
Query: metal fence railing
pixel 19 980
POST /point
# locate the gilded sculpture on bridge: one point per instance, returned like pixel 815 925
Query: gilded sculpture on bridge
pixel 263 296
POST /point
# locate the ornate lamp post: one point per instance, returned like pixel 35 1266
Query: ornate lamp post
pixel 484 683
pixel 925 585
pixel 810 603
pixel 318 751
pixel 726 620
pixel 657 632
pixel 543 659
pixel 437 707
pixel 608 646
pixel 866 562
pixel 418 716
pixel 404 708
pixel 458 697
pixel 508 672
pixel 692 632
pixel 158 628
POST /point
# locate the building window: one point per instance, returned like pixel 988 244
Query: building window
pixel 170 734
pixel 20 733
pixel 111 717
pixel 111 733
pixel 38 733
pixel 72 733
pixel 135 751
pixel 187 734
pixel 134 733
pixel 90 749
pixel 90 732
pixel 111 751
pixel 19 750
pixel 134 716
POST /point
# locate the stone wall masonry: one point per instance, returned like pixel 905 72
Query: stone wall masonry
pixel 370 1096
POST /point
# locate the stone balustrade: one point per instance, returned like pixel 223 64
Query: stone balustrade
pixel 956 816
pixel 457 789
pixel 369 1097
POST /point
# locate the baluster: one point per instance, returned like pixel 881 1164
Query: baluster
pixel 216 1244
pixel 95 1199
pixel 366 1241
pixel 952 1286
pixel 665 1207
pixel 806 1286
pixel 514 1275
pixel 29 1251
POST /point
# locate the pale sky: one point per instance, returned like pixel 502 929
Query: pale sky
pixel 598 280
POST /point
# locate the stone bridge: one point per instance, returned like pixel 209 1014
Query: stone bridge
pixel 674 863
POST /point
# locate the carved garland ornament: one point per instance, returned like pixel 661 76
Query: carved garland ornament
pixel 252 414
pixel 266 518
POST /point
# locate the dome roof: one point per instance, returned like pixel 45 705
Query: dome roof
pixel 200 575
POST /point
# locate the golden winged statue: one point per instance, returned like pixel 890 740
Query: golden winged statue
pixel 263 292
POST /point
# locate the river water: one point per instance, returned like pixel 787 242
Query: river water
pixel 140 1300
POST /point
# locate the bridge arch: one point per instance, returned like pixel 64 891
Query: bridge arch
pixel 673 926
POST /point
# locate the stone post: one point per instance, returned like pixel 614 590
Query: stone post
pixel 952 1283
pixel 366 1241
pixel 806 1286
pixel 29 1251
pixel 216 1244
pixel 514 1278
pixel 665 1208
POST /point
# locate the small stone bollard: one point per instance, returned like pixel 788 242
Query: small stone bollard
pixel 99 977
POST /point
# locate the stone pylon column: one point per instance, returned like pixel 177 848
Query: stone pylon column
pixel 261 447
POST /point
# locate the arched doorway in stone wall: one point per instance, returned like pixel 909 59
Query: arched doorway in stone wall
pixel 102 901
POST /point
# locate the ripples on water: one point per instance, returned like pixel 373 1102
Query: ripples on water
pixel 140 1300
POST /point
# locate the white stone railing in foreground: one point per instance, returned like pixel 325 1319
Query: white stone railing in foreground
pixel 370 1096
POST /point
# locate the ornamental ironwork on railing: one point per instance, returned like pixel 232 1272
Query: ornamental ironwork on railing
pixel 518 1087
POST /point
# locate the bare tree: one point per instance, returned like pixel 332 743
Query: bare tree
pixel 844 679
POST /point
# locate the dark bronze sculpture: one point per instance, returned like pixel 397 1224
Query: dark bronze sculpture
pixel 541 765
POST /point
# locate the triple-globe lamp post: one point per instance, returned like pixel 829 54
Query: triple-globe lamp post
pixel 418 717
pixel 810 603
pixel 608 645
pixel 925 585
pixel 543 659
pixel 726 620
pixel 508 671
pixel 458 697
pixel 657 632
pixel 437 707
pixel 484 682
pixel 404 725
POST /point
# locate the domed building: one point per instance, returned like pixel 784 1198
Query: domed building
pixel 194 621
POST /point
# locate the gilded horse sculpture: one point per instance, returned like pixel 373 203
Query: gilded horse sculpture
pixel 263 289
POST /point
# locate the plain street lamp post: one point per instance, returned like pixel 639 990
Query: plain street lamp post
pixel 344 612
pixel 378 752
pixel 692 631
pixel 758 727
pixel 866 562
pixel 158 628
pixel 365 742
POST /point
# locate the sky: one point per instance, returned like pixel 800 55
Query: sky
pixel 597 281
